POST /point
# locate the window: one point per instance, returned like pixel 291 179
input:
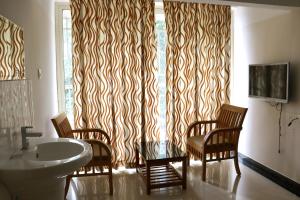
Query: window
pixel 161 35
pixel 64 61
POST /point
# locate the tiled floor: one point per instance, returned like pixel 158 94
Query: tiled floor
pixel 222 184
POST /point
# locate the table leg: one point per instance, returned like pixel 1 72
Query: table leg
pixel 137 159
pixel 184 171
pixel 148 177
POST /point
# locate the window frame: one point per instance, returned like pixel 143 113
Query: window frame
pixel 59 39
pixel 159 7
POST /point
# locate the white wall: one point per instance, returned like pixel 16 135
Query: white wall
pixel 38 22
pixel 264 35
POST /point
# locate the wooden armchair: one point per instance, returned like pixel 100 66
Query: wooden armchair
pixel 217 140
pixel 100 143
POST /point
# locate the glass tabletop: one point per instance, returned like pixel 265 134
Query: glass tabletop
pixel 159 150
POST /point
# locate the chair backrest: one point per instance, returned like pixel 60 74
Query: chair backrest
pixel 62 125
pixel 231 116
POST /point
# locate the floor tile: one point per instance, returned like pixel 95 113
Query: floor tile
pixel 222 183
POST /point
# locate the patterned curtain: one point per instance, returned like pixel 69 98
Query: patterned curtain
pixel 114 56
pixel 198 64
pixel 11 51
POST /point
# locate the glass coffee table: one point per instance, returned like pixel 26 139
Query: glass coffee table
pixel 156 169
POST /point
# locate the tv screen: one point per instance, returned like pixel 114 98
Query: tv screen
pixel 269 81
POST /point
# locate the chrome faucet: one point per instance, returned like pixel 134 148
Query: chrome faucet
pixel 25 135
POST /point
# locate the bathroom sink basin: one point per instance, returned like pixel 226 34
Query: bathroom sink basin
pixel 58 151
pixel 55 156
pixel 41 170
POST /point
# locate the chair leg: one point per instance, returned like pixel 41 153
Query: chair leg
pixel 236 164
pixel 203 168
pixel 68 179
pixel 188 159
pixel 110 181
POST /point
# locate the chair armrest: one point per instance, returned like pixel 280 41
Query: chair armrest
pixel 97 133
pixel 198 123
pixel 219 131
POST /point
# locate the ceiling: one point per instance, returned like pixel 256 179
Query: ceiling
pixel 293 3
pixel 290 3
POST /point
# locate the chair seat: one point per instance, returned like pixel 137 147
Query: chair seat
pixel 101 158
pixel 196 141
pixel 101 151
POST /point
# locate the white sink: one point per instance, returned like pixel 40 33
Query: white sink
pixel 63 150
pixel 40 171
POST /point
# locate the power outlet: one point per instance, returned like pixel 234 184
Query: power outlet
pixel 39 73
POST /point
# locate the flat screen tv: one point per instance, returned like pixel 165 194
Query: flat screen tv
pixel 269 81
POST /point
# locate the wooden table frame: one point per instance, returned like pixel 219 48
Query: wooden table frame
pixel 159 173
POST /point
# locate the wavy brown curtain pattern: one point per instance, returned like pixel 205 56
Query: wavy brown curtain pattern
pixel 198 64
pixel 115 88
pixel 11 51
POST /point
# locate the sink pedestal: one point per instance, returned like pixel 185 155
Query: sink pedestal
pixel 48 189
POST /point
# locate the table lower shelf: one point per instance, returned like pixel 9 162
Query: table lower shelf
pixel 161 176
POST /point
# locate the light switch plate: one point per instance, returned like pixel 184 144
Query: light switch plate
pixel 39 72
